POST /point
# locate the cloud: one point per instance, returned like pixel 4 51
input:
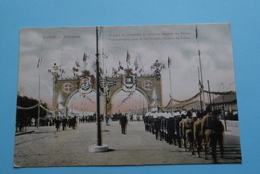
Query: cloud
pixel 148 43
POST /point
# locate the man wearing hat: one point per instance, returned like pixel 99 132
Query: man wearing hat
pixel 198 137
pixel 123 122
pixel 209 130
pixel 188 131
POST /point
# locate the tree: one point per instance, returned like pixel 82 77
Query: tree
pixel 24 113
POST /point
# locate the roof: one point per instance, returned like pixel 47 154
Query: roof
pixel 225 99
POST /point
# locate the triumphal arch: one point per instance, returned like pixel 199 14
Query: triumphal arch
pixel 149 85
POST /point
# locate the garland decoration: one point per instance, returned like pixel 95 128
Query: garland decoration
pixel 221 93
pixel 32 107
pixel 200 93
pixel 19 107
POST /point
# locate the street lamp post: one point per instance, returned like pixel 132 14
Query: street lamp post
pixel 99 147
pixel 99 141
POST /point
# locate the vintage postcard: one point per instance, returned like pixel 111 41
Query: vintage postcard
pixel 126 95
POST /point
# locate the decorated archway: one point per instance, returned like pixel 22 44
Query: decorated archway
pixel 148 85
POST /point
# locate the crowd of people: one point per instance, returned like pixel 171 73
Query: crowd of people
pixel 63 122
pixel 196 132
pixel 72 121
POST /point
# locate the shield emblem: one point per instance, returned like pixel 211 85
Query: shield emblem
pixel 129 80
pixel 86 84
pixel 148 85
pixel 129 83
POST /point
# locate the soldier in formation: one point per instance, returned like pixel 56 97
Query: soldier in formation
pixel 198 137
pixel 212 129
pixel 201 133
pixel 187 129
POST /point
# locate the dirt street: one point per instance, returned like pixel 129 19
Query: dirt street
pixel 47 147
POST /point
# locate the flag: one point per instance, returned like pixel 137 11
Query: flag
pixel 115 72
pixel 55 67
pixel 136 65
pixel 101 70
pixel 104 55
pixel 39 62
pixel 197 34
pixel 85 57
pixel 128 57
pixel 141 70
pixel 75 69
pixel 201 85
pixel 100 31
pixel 169 62
pixel 163 66
pixel 77 64
pixel 120 66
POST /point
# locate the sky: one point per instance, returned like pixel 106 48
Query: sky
pixel 147 44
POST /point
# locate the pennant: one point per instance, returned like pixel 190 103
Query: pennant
pixel 85 57
pixel 104 55
pixel 201 85
pixel 115 72
pixel 197 34
pixel 77 64
pixel 141 70
pixel 100 31
pixel 169 62
pixel 39 62
pixel 120 66
pixel 75 69
pixel 163 66
pixel 128 57
pixel 101 70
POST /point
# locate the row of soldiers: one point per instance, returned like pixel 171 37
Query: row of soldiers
pixel 201 133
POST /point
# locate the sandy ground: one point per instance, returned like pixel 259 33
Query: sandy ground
pixel 47 147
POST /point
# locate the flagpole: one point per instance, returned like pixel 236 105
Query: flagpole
pixel 200 90
pixel 53 96
pixel 103 59
pixel 39 101
pixel 143 105
pixel 197 38
pixel 170 79
pixel 209 94
pixel 39 95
